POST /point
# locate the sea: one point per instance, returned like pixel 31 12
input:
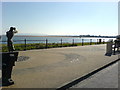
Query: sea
pixel 50 39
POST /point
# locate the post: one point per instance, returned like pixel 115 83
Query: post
pixel 82 42
pixel 61 42
pixel 73 42
pixel 97 41
pixel 46 43
pixel 103 41
pixel 90 41
pixel 25 44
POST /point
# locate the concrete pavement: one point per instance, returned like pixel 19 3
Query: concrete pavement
pixel 107 78
pixel 52 68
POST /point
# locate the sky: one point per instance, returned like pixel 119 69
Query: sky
pixel 61 18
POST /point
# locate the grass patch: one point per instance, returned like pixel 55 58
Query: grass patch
pixel 21 47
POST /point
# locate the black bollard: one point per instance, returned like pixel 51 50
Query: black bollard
pixel 8 61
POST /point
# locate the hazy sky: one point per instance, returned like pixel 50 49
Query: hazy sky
pixel 61 18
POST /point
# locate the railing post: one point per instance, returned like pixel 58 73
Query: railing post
pixel 25 44
pixel 97 41
pixel 73 42
pixel 90 41
pixel 46 43
pixel 103 41
pixel 100 41
pixel 61 42
pixel 82 42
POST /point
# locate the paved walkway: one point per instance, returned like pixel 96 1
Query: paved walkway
pixel 52 68
pixel 107 78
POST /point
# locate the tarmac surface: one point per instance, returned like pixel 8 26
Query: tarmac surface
pixel 53 68
pixel 107 78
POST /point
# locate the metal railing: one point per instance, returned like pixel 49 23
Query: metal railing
pixel 36 44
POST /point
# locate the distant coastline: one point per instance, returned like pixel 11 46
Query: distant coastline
pixel 80 36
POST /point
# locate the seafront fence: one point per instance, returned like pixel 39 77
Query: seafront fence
pixel 46 44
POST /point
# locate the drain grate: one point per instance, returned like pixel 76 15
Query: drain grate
pixel 22 58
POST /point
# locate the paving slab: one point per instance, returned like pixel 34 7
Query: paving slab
pixel 52 68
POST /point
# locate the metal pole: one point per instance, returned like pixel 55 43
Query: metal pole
pixel 90 41
pixel 61 42
pixel 82 42
pixel 73 42
pixel 25 44
pixel 97 41
pixel 103 41
pixel 46 43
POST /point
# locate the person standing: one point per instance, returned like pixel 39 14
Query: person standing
pixel 10 35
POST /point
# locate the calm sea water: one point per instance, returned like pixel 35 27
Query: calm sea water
pixel 20 40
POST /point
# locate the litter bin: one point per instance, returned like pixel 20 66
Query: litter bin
pixel 109 47
pixel 8 61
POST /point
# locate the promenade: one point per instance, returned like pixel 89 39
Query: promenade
pixel 106 78
pixel 55 67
